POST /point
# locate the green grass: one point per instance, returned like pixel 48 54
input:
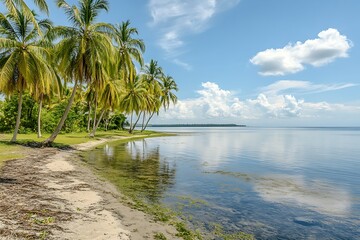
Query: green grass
pixel 72 138
pixel 9 152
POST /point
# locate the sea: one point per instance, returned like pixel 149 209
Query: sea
pixel 273 183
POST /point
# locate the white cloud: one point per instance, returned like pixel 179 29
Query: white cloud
pixel 175 19
pixel 274 102
pixel 329 45
pixel 182 64
pixel 303 86
pixel 170 41
pixel 277 106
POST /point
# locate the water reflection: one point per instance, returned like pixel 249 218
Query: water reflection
pixel 217 148
pixel 297 192
pixel 283 148
pixel 273 183
pixel 135 167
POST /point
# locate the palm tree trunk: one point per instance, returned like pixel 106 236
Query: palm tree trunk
pixel 95 110
pixel 137 120
pixel 89 117
pixel 148 121
pixel 143 122
pixel 92 134
pixel 63 118
pixel 131 118
pixel 39 116
pixel 107 122
pixel 18 118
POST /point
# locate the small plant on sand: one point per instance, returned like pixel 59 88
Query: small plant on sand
pixel 159 236
pixel 33 218
pixel 43 235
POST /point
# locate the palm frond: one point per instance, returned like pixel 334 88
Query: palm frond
pixel 7 43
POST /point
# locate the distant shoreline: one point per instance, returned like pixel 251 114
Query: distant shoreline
pixel 196 125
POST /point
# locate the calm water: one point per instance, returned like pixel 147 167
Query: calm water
pixel 273 183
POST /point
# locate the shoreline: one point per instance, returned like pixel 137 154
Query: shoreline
pixel 50 194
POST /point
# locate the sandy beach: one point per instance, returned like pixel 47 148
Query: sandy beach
pixel 51 194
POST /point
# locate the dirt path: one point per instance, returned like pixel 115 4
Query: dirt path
pixel 52 195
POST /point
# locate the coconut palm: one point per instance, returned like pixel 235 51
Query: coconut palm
pixel 168 84
pixel 84 45
pixel 167 96
pixel 14 5
pixel 132 99
pixel 97 84
pixel 43 91
pixel 109 93
pixel 109 100
pixel 151 106
pixel 152 74
pixel 23 56
pixel 128 47
pixel 89 98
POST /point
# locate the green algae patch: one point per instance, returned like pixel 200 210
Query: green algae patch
pixel 243 176
pixel 219 232
pixel 185 233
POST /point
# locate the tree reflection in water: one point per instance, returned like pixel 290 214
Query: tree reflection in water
pixel 134 167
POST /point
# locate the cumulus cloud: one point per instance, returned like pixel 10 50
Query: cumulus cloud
pixel 273 102
pixel 213 102
pixel 329 46
pixel 178 18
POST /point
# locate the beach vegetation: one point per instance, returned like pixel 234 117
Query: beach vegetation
pixel 24 57
pixel 75 78
pixel 159 236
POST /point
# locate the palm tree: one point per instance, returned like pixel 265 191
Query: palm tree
pixel 14 5
pixel 132 99
pixel 44 91
pixel 109 92
pixel 168 84
pixel 97 85
pixel 109 100
pixel 128 47
pixel 89 97
pixel 84 45
pixel 152 75
pixel 23 56
pixel 167 97
pixel 151 104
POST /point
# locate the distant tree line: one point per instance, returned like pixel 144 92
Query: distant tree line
pixel 77 77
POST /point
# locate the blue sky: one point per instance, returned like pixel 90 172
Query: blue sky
pixel 254 62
